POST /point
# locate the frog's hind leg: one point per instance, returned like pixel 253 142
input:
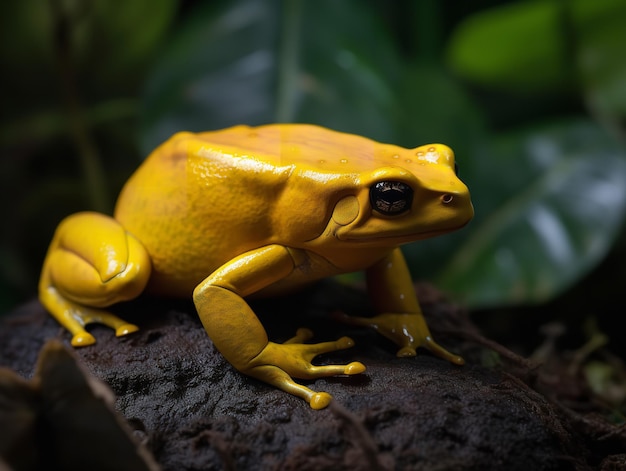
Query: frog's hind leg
pixel 92 263
pixel 75 317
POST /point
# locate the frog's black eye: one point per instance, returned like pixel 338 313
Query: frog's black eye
pixel 391 198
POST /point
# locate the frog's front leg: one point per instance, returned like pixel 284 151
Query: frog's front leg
pixel 92 263
pixel 400 317
pixel 238 334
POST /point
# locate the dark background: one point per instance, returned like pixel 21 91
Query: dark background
pixel 89 88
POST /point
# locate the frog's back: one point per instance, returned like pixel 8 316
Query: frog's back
pixel 194 208
pixel 304 146
pixel 242 170
pixel 200 200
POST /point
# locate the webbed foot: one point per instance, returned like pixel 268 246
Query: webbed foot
pixel 408 331
pixel 277 364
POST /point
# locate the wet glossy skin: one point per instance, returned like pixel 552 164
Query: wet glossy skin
pixel 224 215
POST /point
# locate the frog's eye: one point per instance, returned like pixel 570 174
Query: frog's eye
pixel 391 198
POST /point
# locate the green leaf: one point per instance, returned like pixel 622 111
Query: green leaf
pixel 545 44
pixel 545 215
pixel 600 56
pixel 113 42
pixel 259 61
pixel 517 45
pixel 432 107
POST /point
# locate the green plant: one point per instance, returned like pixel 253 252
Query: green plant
pixel 528 94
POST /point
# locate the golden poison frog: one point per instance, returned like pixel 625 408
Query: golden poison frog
pixel 224 215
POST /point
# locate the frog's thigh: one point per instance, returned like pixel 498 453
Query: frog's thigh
pixel 230 322
pixel 95 262
pixel 92 262
pixel 239 336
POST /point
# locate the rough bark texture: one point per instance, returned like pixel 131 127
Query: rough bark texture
pixel 194 412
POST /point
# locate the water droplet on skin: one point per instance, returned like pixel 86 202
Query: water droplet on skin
pixel 344 161
pixel 420 154
pixel 431 149
pixel 408 161
pixel 396 156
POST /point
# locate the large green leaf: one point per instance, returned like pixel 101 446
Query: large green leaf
pixel 260 61
pixel 549 206
pixel 545 44
pixel 511 46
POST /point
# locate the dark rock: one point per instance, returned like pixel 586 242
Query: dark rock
pixel 194 412
pixel 64 418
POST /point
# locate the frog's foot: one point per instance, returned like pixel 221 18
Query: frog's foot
pixel 80 319
pixel 75 318
pixel 277 364
pixel 302 335
pixel 408 331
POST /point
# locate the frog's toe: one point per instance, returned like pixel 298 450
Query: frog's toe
pixel 344 342
pixel 302 335
pixel 406 352
pixel 126 329
pixel 83 339
pixel 441 352
pixel 279 378
pixel 457 360
pixel 354 368
pixel 340 316
pixel 315 349
pixel 452 358
pixel 320 400
pixel 312 371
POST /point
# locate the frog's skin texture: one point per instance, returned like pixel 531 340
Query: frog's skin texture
pixel 244 211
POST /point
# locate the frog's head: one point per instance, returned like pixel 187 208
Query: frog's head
pixel 406 200
pixel 329 189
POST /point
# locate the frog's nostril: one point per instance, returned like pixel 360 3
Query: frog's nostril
pixel 447 198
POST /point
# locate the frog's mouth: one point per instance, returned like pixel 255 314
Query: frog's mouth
pixel 368 234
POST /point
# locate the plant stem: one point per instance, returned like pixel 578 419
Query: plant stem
pixel 288 61
pixel 90 162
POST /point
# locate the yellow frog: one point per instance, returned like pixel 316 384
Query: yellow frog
pixel 244 211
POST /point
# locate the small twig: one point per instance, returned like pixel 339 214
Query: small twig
pixel 492 345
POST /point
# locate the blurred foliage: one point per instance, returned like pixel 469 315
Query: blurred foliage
pixel 530 95
pixel 548 46
pixel 72 75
